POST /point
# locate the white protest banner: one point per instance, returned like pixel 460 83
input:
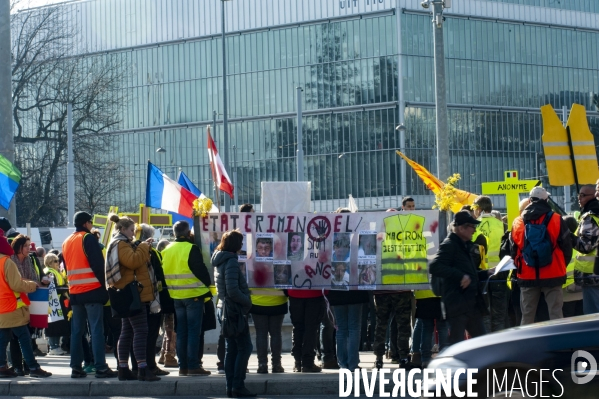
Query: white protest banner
pixel 347 251
pixel 54 309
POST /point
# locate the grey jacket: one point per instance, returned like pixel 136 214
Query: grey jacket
pixel 229 280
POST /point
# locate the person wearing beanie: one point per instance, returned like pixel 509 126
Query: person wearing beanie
pixel 14 312
pixel 84 263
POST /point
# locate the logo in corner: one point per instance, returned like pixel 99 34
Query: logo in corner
pixel 583 370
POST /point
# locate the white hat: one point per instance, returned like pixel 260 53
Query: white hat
pixel 539 192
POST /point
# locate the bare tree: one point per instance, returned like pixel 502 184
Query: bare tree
pixel 46 77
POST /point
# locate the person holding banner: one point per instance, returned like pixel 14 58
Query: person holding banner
pixel 14 312
pixel 59 306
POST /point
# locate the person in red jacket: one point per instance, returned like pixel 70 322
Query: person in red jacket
pixel 546 279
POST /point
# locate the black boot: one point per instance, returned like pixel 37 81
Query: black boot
pixel 126 375
pixel 145 374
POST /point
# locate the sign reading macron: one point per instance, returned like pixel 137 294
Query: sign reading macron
pixel 344 251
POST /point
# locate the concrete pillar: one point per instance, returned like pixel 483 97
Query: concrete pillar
pixel 7 147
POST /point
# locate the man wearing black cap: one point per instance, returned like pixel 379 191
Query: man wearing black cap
pixel 463 301
pixel 84 263
pixel 9 232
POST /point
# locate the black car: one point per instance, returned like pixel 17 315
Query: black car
pixel 550 359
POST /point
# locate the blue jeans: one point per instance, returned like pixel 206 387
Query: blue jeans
pixel 24 337
pixel 237 355
pixel 94 314
pixel 189 313
pixel 349 322
pixel 590 299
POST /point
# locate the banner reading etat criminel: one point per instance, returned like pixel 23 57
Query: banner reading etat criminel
pixel 371 251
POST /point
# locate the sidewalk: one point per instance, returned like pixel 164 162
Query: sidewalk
pixel 288 383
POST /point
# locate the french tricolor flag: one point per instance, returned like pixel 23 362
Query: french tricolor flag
pixel 164 193
pixel 38 309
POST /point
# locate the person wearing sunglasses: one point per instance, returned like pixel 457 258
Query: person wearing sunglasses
pixel 584 241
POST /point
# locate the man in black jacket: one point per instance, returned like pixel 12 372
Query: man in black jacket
pixel 463 301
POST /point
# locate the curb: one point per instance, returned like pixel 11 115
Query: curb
pixel 203 386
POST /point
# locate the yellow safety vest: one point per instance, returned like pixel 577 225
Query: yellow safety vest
pixel 585 262
pixel 58 277
pixel 424 294
pixel 492 229
pixel 181 282
pixel 404 250
pixel 570 271
pixel 267 297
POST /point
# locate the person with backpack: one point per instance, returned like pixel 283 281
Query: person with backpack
pixel 541 249
pixel 456 279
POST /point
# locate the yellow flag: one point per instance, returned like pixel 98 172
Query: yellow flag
pixel 461 197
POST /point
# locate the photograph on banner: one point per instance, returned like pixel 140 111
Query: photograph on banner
pixel 404 250
pixel 370 250
pixel 264 247
pixel 367 274
pixel 340 279
pixel 243 252
pixel 282 271
pixel 295 246
pixel 367 244
pixel 215 238
pixel 243 270
pixel 260 274
pixel 341 247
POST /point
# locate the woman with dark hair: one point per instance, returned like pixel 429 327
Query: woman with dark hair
pixel 231 284
pixel 125 263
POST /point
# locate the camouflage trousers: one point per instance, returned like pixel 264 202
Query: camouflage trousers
pixel 386 305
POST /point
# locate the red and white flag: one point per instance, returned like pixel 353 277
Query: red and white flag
pixel 221 178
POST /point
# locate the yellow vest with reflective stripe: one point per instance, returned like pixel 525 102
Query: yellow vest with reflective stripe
pixel 404 250
pixel 424 294
pixel 180 281
pixel 585 262
pixel 267 296
pixel 58 277
pixel 492 229
pixel 570 271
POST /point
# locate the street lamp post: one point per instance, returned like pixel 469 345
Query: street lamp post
pixel 402 166
pixel 225 121
pixel 443 164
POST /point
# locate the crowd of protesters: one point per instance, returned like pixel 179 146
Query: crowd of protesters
pixel 172 290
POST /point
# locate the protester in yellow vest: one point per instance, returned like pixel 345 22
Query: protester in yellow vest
pixel 59 328
pixel 492 230
pixel 187 281
pixel 269 307
pixel 572 292
pixel 585 242
pixel 14 312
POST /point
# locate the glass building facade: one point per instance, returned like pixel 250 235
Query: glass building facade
pixel 365 66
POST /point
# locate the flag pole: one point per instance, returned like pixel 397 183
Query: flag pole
pixel 216 190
